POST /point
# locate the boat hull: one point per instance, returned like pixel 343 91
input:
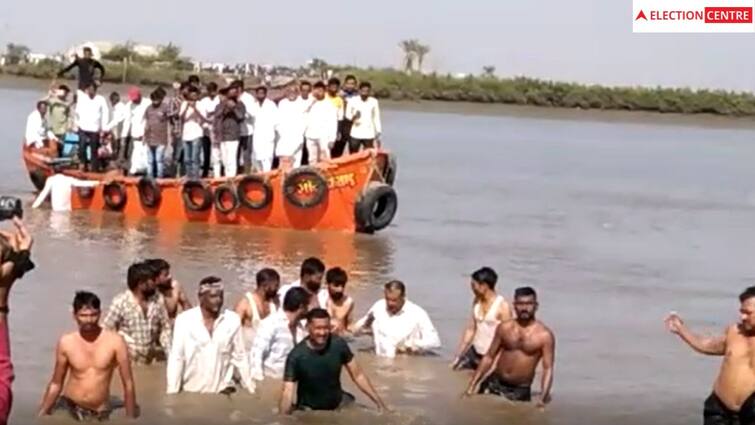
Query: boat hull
pixel 348 178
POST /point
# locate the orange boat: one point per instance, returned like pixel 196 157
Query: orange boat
pixel 351 193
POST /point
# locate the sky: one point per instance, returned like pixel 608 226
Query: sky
pixel 587 41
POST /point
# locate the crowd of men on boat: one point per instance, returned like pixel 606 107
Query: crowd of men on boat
pixel 299 333
pixel 200 129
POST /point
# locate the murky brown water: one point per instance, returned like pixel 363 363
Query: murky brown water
pixel 615 224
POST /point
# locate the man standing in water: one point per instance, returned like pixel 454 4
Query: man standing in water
pixel 310 278
pixel 313 369
pixel 169 288
pixel 139 316
pixel 257 305
pixel 338 305
pixel 488 311
pixel 733 399
pixel 519 345
pixel 91 354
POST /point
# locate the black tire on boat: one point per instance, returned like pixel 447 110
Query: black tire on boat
pixel 376 208
pixel 150 193
pixel 224 193
pixel 309 180
pixel 195 187
pixel 114 195
pixel 38 179
pixel 250 181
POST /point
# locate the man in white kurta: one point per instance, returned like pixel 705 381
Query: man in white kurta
pixel 58 187
pixel 207 346
pixel 265 115
pixel 399 326
pixel 292 113
pixel 37 130
pixel 321 125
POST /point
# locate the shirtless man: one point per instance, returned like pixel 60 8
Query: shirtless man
pixel 257 305
pixel 733 398
pixel 170 289
pixel 338 304
pixel 488 311
pixel 519 345
pixel 91 355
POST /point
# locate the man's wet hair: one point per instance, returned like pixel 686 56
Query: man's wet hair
pixel 317 313
pixel 295 299
pixel 336 276
pixel 310 266
pixel 305 83
pixel 267 275
pixel 350 77
pixel 747 294
pixel 525 291
pixel 365 84
pixel 333 81
pixel 319 85
pixel 158 264
pixel 85 299
pixel 486 276
pixel 138 273
pixel 396 285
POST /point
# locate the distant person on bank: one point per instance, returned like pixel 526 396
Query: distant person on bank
pixel 84 364
pixel 313 370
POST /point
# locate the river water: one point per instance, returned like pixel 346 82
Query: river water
pixel 614 224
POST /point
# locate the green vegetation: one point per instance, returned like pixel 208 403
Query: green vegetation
pixel 125 65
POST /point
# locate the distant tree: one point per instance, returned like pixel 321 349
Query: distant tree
pixel 16 53
pixel 410 54
pixel 318 66
pixel 169 53
pixel 119 52
pixel 421 50
pixel 488 71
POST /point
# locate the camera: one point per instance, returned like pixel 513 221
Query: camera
pixel 10 207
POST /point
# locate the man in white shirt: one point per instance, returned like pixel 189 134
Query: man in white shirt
pixel 37 131
pixel 399 325
pixel 207 107
pixel 58 188
pixel 277 336
pixel 119 114
pixel 207 346
pixel 292 113
pixel 364 113
pixel 322 125
pixel 247 129
pixel 265 114
pixel 92 118
pixel 311 274
pixel 193 120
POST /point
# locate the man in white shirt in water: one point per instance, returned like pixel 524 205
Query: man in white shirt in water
pixel 207 346
pixel 488 311
pixel 399 326
pixel 58 188
pixel 37 130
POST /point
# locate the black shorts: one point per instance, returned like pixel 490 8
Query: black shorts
pixel 716 413
pixel 82 414
pixel 469 360
pixel 494 384
pixel 356 144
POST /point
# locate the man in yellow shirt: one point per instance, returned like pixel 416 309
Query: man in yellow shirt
pixel 333 95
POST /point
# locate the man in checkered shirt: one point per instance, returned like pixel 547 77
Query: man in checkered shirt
pixel 139 316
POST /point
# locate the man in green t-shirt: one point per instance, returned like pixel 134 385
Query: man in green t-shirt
pixel 314 366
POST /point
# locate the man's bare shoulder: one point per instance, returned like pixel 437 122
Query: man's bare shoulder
pixel 544 332
pixel 68 339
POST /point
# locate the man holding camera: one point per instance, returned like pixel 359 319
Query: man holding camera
pixel 15 261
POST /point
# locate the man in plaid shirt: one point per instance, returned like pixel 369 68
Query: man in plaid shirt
pixel 176 126
pixel 139 316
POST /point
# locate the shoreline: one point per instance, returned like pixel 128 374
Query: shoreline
pixel 700 120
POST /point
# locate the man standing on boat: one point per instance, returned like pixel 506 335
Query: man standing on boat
pixel 92 117
pixel 322 125
pixel 363 112
pixel 246 130
pixel 265 117
pixel 291 121
pixel 86 66
pixel 230 117
pixel 156 133
pixel 334 95
pixel 488 311
pixel 207 107
pixel 37 130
